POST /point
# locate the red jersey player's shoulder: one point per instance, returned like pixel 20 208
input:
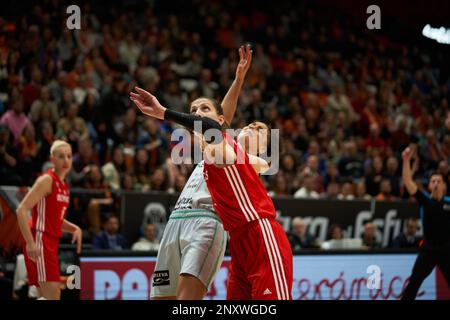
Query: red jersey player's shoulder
pixel 45 178
pixel 45 181
pixel 56 179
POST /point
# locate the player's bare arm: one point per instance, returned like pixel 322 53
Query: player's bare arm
pixel 40 189
pixel 407 172
pixel 218 151
pixel 229 103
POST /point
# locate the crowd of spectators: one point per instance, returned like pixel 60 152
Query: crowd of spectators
pixel 346 101
pixel 301 238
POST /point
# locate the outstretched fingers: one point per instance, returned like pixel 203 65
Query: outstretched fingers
pixel 249 54
pixel 139 104
pixel 241 53
pixel 143 93
pixel 135 96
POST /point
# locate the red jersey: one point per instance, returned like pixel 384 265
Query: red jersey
pixel 238 195
pixel 48 214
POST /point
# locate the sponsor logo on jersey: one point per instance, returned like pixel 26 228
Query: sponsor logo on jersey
pixel 266 292
pixel 62 198
pixel 161 278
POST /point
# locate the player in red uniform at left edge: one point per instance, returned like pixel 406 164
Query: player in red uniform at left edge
pixel 48 199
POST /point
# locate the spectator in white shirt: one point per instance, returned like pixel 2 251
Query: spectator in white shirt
pixel 346 192
pixel 149 241
pixel 307 191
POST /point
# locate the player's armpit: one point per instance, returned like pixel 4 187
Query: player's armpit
pixel 260 165
pixel 221 154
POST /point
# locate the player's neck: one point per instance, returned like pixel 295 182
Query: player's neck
pixel 60 175
pixel 437 197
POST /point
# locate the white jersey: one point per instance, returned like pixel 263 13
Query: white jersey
pixel 195 194
pixel 193 242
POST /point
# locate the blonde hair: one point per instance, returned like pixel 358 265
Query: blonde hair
pixel 57 144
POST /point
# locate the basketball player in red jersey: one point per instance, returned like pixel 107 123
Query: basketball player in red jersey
pixel 248 213
pixel 261 256
pixel 48 199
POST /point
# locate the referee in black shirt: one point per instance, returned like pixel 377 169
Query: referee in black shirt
pixel 435 215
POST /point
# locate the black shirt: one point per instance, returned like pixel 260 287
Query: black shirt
pixel 403 241
pixel 435 217
pixel 297 243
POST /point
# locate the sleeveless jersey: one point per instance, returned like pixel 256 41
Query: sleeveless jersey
pixel 238 194
pixel 195 194
pixel 48 214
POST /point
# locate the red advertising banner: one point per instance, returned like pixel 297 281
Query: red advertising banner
pixel 316 277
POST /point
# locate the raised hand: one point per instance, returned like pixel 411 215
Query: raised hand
pixel 245 60
pixel 147 103
pixel 406 154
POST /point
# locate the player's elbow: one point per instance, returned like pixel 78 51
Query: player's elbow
pixel 20 211
pixel 263 167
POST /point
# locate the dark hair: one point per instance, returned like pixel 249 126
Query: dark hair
pixel 436 174
pixel 121 167
pixel 217 106
pixel 219 110
pixel 331 229
pixel 411 219
pixel 287 155
pixel 89 174
pixel 137 166
pixel 111 215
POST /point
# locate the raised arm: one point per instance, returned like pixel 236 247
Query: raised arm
pixel 229 103
pixel 407 173
pixel 150 106
pixel 217 151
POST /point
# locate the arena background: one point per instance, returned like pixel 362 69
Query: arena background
pixel 346 99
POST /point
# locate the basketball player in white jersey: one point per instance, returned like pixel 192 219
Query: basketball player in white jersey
pixel 194 241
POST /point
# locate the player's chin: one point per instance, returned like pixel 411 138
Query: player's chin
pixel 65 169
pixel 197 140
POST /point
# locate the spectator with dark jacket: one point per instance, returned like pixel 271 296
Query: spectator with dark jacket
pixel 409 238
pixel 299 237
pixel 110 238
pixel 369 238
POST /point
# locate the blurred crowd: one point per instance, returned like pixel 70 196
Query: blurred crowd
pixel 347 101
